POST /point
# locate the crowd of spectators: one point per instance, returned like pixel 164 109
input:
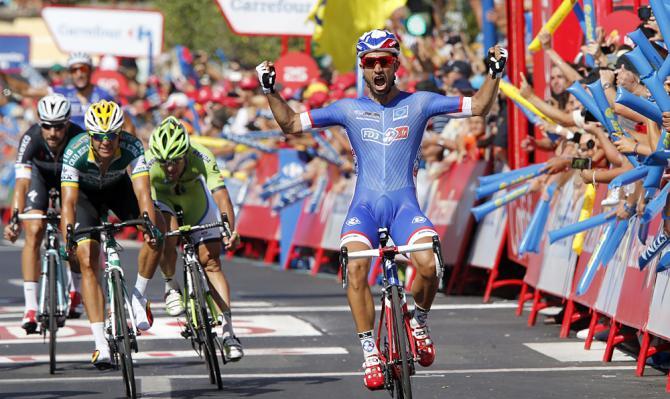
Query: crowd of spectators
pixel 215 98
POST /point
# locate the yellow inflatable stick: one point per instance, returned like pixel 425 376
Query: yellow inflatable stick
pixel 554 22
pixel 513 93
pixel 587 210
pixel 216 142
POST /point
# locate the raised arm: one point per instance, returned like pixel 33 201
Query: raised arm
pixel 288 119
pixel 483 100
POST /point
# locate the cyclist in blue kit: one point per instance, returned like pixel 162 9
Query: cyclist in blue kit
pixel 385 131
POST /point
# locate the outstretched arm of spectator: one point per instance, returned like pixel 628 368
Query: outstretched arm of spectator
pixel 611 153
pixel 563 118
pixel 570 73
pixel 287 118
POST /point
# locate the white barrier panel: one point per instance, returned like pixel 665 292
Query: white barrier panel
pixel 489 237
pixel 558 262
pixel 659 313
pixel 269 17
pixel 610 290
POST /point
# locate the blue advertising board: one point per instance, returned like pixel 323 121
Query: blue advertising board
pixel 14 51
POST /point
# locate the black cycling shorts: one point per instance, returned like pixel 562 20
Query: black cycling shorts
pixel 37 197
pixel 93 206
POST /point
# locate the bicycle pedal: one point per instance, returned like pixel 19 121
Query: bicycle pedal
pixel 186 334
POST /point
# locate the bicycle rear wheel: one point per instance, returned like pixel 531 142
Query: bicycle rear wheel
pixel 205 329
pixel 53 306
pixel 123 341
pixel 402 346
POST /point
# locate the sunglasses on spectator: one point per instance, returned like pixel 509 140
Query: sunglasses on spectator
pixel 80 68
pixel 384 61
pixel 49 126
pixel 169 162
pixel 110 136
pixel 589 145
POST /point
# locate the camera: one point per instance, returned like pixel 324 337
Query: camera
pixel 581 163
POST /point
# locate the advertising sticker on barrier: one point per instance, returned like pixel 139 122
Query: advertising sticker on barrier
pixel 291 167
pixel 659 313
pixel 489 237
pixel 14 51
pixel 256 218
pixel 519 214
pixel 338 203
pixel 120 32
pixel 558 261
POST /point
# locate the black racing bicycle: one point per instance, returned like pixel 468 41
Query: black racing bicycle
pixel 202 313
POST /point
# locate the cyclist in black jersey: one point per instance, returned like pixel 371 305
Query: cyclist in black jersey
pixel 38 169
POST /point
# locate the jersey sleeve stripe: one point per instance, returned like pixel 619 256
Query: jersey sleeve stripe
pixel 306 120
pixel 465 108
pixel 139 174
pixel 22 170
pixel 69 184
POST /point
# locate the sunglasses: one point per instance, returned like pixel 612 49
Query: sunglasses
pixel 110 136
pixel 384 61
pixel 169 162
pixel 81 68
pixel 49 126
pixel 589 145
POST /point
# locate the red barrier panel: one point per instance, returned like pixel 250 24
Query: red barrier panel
pixel 256 218
pixel 449 210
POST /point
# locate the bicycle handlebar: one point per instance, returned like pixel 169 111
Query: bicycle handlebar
pixel 188 229
pixel 36 216
pixel 370 253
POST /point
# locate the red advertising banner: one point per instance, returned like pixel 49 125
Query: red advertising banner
pixel 256 218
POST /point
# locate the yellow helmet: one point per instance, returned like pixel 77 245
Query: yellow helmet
pixel 104 117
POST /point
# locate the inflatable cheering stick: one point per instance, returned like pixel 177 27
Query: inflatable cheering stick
pixel 653 249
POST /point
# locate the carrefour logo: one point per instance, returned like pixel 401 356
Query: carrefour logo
pixel 389 136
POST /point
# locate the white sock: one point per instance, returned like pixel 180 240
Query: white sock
pixel 30 294
pixel 227 325
pixel 98 330
pixel 420 315
pixel 368 344
pixel 171 284
pixel 141 284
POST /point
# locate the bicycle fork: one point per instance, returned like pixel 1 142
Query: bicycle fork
pixel 61 283
pixel 194 269
pixel 114 263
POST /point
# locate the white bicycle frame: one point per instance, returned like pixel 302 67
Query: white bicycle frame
pixel 113 262
pixel 61 282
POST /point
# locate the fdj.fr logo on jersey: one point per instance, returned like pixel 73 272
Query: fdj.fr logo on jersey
pixel 389 136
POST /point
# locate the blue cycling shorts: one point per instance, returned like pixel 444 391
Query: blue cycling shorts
pixel 396 210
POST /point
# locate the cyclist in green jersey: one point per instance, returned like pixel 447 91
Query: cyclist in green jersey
pixel 185 176
pixel 104 169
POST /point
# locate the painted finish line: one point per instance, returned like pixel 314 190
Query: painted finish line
pixel 266 375
pixel 168 328
pixel 153 355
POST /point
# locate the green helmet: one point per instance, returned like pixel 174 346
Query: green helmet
pixel 169 140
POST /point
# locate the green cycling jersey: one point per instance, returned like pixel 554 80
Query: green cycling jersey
pixel 81 169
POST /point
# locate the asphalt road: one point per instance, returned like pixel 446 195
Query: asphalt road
pixel 300 343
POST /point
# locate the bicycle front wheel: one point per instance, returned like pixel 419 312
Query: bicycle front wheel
pixel 205 328
pixel 53 307
pixel 123 340
pixel 402 346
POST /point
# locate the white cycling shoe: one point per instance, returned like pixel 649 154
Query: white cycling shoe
pixel 232 349
pixel 144 319
pixel 174 305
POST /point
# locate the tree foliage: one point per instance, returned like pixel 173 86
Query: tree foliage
pixel 199 25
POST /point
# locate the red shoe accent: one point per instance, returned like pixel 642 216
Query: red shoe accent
pixel 424 345
pixel 374 377
pixel 29 322
pixel 76 308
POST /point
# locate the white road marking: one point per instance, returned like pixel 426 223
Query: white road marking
pixel 169 354
pixel 575 352
pixel 160 387
pixel 266 375
pixel 169 328
pixel 18 282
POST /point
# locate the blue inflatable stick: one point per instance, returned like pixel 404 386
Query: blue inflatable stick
pixel 655 248
pixel 648 50
pixel 483 180
pixel 583 97
pixel 640 105
pixel 489 189
pixel 628 177
pixel 592 265
pixel 484 209
pixel 590 24
pixel 655 206
pixel 570 230
pixel 533 235
pixel 613 242
pixel 664 263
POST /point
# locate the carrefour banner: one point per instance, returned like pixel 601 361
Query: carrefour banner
pixel 119 32
pixel 14 51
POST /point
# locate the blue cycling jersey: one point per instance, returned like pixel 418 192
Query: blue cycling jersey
pixel 78 110
pixel 386 143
